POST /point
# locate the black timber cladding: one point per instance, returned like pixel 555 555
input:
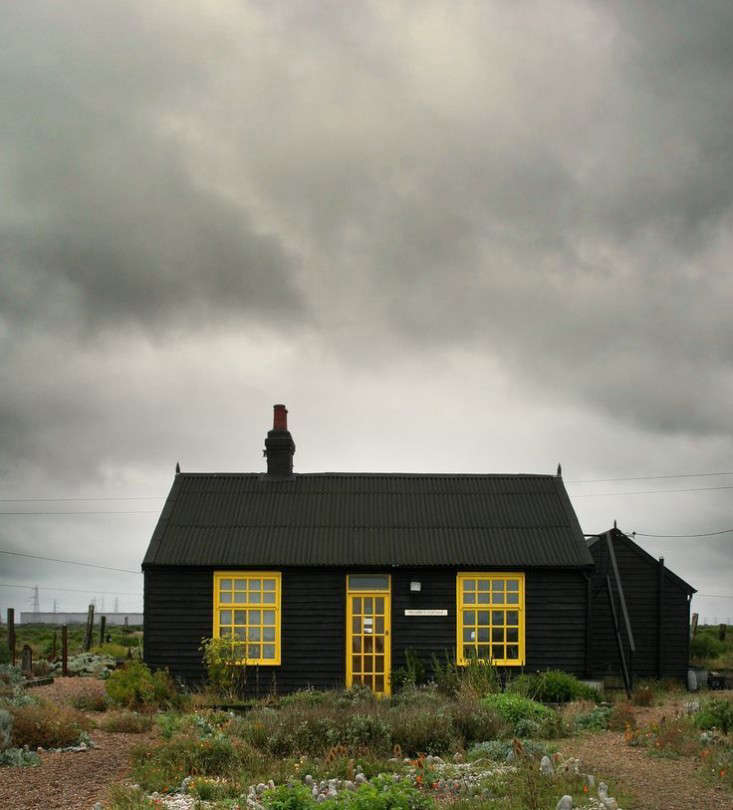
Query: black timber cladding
pixel 662 642
pixel 179 613
pixel 251 520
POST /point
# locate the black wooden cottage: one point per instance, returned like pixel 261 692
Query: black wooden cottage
pixel 656 641
pixel 326 580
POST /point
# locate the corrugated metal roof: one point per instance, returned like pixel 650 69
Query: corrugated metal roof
pixel 344 519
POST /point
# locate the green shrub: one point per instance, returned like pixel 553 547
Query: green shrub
pixel 6 729
pixel 716 713
pixel 378 795
pixel 703 646
pixel 474 721
pixel 47 725
pixel 595 720
pixel 446 674
pixel 226 677
pixel 552 686
pixel 412 674
pixel 128 797
pixel 18 757
pixel 134 686
pixel 514 708
pixel 501 750
pixel 418 730
pixel 111 650
pixel 127 723
pixel 367 731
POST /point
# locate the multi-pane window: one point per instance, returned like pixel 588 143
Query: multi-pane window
pixel 247 612
pixel 490 619
pixel 368 625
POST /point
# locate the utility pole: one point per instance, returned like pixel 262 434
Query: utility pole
pixel 36 602
pixel 117 604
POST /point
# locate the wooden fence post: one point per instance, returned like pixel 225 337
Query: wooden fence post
pixel 53 647
pixel 90 629
pixel 64 650
pixel 721 631
pixel 11 633
pixel 102 628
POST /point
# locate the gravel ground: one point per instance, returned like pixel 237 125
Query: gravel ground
pixel 69 781
pixel 653 783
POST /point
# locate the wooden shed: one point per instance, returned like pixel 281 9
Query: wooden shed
pixel 325 580
pixel 657 604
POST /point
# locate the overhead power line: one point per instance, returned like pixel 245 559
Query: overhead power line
pixel 72 590
pixel 60 500
pixel 68 562
pixel 86 512
pixel 682 536
pixel 643 492
pixel 648 477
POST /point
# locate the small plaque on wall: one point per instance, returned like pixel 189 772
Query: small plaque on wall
pixel 430 612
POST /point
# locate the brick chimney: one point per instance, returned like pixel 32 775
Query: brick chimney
pixel 279 444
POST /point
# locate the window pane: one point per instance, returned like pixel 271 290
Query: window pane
pixel 268 651
pixel 483 651
pixel 240 584
pixel 268 584
pixel 255 584
pixel 253 634
pixel 240 617
pixel 368 625
pixel 379 663
pixel 469 598
pixel 512 617
pixel 356 604
pixel 239 596
pixel 512 634
pixel 225 584
pixel 268 634
pixel 497 598
pixel 379 683
pixel 225 597
pixel 225 617
pixel 469 584
pixel 239 651
pixel 512 598
pixel 379 604
pixel 368 663
pixel 240 633
pixel 368 644
pixel 379 644
pixel 468 634
pixel 356 625
pixel 483 584
pixel 497 617
pixel 468 652
pixel 268 616
pixel 483 617
pixel 497 584
pixel 356 663
pixel 225 632
pixel 469 617
pixel 268 597
pixel 512 584
pixel 483 598
pixel 368 582
pixel 253 651
pixel 379 624
pixel 483 634
pixel 368 607
pixel 497 652
pixel 356 644
pixel 512 651
pixel 255 597
pixel 254 617
pixel 497 634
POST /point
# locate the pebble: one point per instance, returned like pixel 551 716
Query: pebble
pixel 546 766
pixel 565 803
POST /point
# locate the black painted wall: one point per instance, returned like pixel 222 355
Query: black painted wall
pixel 178 614
pixel 640 581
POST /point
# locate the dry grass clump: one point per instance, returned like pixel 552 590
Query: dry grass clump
pixel 47 725
pixel 126 722
pixel 622 717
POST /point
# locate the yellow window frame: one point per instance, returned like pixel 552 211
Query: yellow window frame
pixel 236 600
pixel 370 592
pixel 480 633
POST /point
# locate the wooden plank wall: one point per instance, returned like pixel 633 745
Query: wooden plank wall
pixel 639 576
pixel 178 615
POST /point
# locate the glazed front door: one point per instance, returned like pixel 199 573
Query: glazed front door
pixel 368 631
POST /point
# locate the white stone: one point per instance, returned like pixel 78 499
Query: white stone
pixel 546 766
pixel 565 803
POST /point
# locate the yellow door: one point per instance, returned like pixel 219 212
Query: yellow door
pixel 367 631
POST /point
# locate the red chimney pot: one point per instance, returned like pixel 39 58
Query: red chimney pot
pixel 280 421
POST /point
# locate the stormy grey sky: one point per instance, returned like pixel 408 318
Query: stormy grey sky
pixel 471 237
